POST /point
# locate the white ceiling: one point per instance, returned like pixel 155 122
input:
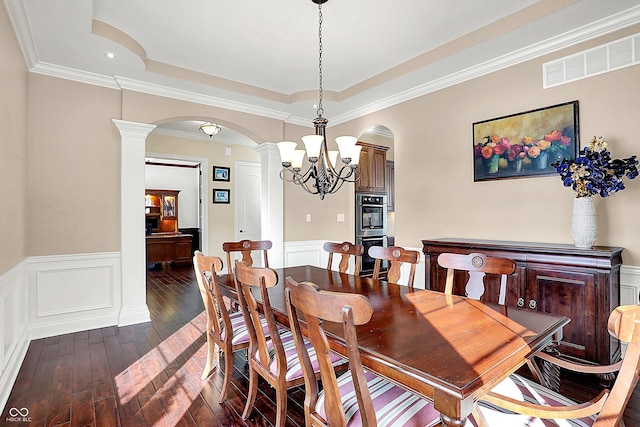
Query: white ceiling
pixel 262 56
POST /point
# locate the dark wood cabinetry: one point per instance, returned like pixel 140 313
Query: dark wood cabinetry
pixel 165 248
pixel 581 284
pixel 373 164
pixel 390 185
pixel 164 243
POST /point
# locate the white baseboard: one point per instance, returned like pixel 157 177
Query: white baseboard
pixel 133 315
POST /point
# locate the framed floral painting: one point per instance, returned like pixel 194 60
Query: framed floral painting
pixel 525 144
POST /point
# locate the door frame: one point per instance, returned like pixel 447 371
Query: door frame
pixel 203 196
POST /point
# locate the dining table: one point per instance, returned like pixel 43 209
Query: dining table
pixel 449 349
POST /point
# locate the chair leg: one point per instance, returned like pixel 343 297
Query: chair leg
pixel 281 407
pixel 252 393
pixel 211 350
pixel 228 373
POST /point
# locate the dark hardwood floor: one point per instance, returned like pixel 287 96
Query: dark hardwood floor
pixel 149 374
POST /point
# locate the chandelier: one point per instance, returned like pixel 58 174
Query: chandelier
pixel 324 175
pixel 210 128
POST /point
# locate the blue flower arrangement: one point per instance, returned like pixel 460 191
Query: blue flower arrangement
pixel 595 172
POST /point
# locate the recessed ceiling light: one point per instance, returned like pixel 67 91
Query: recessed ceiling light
pixel 110 55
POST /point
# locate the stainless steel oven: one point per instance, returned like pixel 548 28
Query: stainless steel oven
pixel 367 261
pixel 371 227
pixel 371 215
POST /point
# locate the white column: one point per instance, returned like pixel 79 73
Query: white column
pixel 272 202
pixel 133 307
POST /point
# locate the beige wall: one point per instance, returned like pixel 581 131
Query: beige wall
pixel 434 159
pixel 74 173
pixel 220 216
pixel 73 182
pixel 13 143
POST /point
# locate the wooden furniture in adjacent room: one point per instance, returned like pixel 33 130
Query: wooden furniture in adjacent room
pixel 373 164
pixel 581 284
pixel 165 243
pixel 169 248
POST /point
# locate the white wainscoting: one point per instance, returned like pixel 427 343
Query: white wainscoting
pixel 14 334
pixel 70 293
pixel 629 285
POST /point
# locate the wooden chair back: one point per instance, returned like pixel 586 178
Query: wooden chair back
pixel 245 247
pixel 248 277
pixel 477 265
pixel 206 269
pixel 624 324
pixel 323 306
pixel 396 256
pixel 346 250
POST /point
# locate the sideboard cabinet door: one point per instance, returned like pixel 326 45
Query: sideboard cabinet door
pixel 570 294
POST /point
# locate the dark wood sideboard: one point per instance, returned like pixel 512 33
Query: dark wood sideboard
pixel 581 284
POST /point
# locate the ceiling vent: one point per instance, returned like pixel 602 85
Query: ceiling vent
pixel 602 59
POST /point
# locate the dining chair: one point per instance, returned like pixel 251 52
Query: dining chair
pixel 274 356
pixel 245 247
pixel 519 402
pixel 477 265
pixel 396 257
pixel 357 397
pixel 226 331
pixel 346 250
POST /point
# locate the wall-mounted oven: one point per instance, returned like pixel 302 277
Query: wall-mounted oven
pixel 371 227
pixel 367 261
pixel 371 215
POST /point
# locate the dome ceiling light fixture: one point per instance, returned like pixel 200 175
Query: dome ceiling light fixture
pixel 210 129
pixel 323 175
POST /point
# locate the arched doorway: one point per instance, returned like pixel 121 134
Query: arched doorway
pixel 133 308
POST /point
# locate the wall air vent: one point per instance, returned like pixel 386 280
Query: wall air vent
pixel 602 59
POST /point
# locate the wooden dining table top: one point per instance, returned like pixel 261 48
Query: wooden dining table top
pixel 449 349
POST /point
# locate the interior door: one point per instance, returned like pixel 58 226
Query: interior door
pixel 247 212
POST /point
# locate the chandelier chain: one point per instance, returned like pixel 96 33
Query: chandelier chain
pixel 320 110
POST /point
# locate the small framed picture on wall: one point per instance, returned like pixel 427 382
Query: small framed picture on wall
pixel 221 173
pixel 221 195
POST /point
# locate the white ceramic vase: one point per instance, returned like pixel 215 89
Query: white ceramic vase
pixel 584 225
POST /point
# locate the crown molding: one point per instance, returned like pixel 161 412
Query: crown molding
pixel 571 38
pixel 183 95
pixel 18 17
pixel 75 75
pixel 599 28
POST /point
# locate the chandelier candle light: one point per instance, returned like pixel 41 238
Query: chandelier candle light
pixel 323 175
